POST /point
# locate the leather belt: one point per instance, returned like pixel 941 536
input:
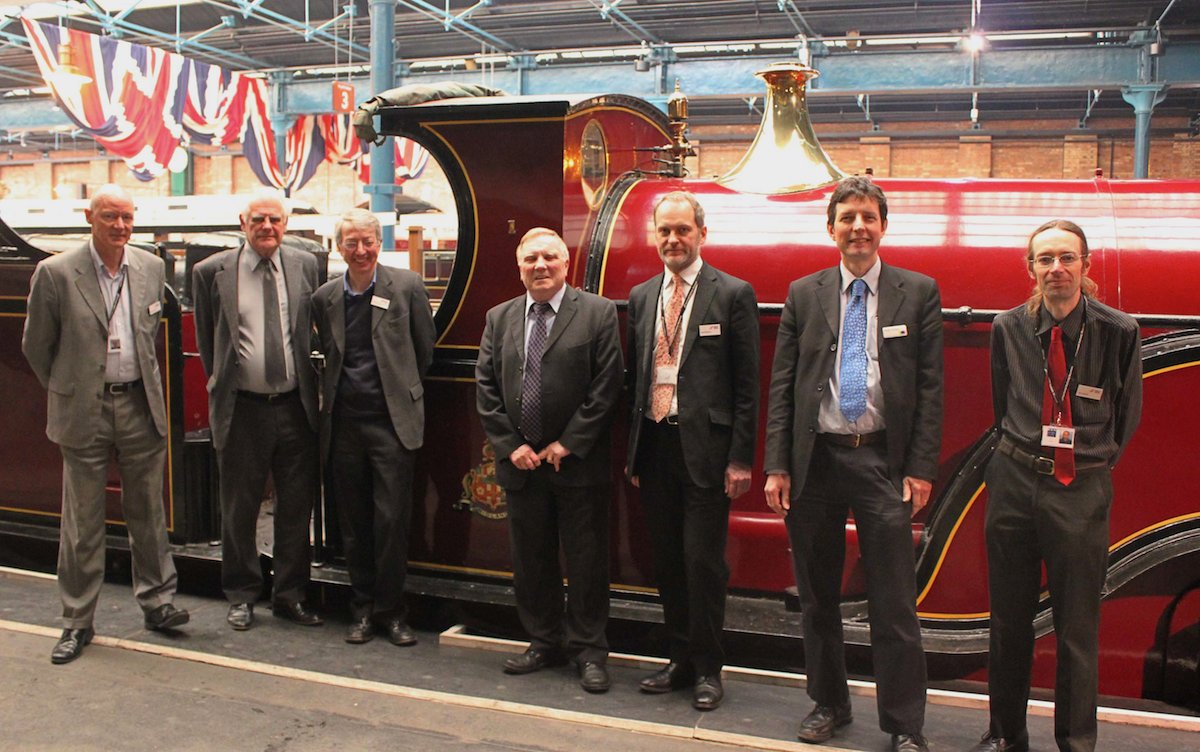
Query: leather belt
pixel 854 440
pixel 1038 463
pixel 268 398
pixel 121 387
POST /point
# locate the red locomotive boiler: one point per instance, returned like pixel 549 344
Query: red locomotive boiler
pixel 592 169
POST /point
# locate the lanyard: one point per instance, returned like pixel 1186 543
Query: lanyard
pixel 1061 397
pixel 662 314
pixel 112 310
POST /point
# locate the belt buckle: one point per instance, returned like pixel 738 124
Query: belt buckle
pixel 1043 465
pixel 856 440
pixel 671 420
pixel 115 388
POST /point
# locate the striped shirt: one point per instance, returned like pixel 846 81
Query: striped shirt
pixel 1109 359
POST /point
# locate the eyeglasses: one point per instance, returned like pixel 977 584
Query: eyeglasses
pixel 108 216
pixel 258 219
pixel 352 245
pixel 1047 261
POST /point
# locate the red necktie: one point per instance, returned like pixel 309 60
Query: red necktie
pixel 1056 367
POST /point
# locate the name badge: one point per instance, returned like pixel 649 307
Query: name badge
pixel 710 330
pixel 1058 437
pixel 114 345
pixel 379 302
pixel 666 374
pixel 899 330
pixel 1089 392
pixel 154 308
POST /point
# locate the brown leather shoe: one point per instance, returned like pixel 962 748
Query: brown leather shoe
pixel 534 659
pixel 70 645
pixel 670 677
pixel 240 616
pixel 819 724
pixel 708 693
pixel 991 743
pixel 360 631
pixel 297 613
pixel 166 617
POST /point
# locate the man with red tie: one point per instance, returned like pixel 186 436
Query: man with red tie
pixel 1067 391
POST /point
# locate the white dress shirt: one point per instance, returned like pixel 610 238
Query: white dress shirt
pixel 120 363
pixel 252 364
pixel 664 298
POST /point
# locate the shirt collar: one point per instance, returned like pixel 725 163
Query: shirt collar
pixel 99 264
pixel 871 277
pixel 1070 325
pixel 689 274
pixel 555 301
pixel 370 287
pixel 251 258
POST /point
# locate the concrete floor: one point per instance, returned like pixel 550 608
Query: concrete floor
pixel 283 687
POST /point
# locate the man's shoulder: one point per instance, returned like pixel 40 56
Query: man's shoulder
pixel 1010 318
pixel 325 291
pixel 215 261
pixel 592 300
pixel 815 279
pixel 500 309
pixel 1112 317
pixel 908 276
pixel 144 257
pixel 725 278
pixel 299 255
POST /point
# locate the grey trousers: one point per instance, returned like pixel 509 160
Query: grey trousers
pixel 127 430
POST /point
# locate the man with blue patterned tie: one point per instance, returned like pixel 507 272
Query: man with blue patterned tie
pixel 854 424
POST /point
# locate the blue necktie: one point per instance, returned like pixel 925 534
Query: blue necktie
pixel 531 387
pixel 852 394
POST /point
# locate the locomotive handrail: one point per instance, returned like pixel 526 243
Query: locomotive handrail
pixel 966 315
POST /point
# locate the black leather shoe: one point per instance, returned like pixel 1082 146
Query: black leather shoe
pixel 240 616
pixel 534 659
pixel 296 613
pixel 593 677
pixel 991 743
pixel 166 617
pixel 70 645
pixel 400 634
pixel 708 693
pixel 670 677
pixel 909 743
pixel 819 724
pixel 360 631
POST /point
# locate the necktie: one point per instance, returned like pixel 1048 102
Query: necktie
pixel 852 381
pixel 531 386
pixel 1056 373
pixel 273 357
pixel 666 351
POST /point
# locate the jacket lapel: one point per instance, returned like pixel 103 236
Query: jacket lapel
pixel 891 295
pixel 829 297
pixel 383 289
pixel 566 312
pixel 702 298
pixel 226 281
pixel 653 294
pixel 515 324
pixel 336 315
pixel 89 286
pixel 291 278
pixel 137 286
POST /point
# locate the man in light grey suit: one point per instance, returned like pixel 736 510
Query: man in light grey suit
pixel 376 331
pixel 547 382
pixel 253 331
pixel 854 423
pixel 90 337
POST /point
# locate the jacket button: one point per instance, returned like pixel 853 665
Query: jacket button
pixel 820 387
pixel 833 347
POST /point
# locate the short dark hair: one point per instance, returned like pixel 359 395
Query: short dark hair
pixel 682 197
pixel 858 187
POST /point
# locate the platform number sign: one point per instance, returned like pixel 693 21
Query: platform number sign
pixel 343 97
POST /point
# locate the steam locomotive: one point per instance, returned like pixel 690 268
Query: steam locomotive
pixel 592 168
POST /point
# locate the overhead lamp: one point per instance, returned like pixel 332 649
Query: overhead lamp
pixel 974 42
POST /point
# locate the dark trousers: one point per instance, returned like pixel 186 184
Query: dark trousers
pixel 543 516
pixel 264 438
pixel 841 479
pixel 1032 519
pixel 372 477
pixel 688 528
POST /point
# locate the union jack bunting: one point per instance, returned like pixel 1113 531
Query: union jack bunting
pixel 411 159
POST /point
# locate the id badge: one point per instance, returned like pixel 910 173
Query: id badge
pixel 666 374
pixel 114 344
pixel 1058 437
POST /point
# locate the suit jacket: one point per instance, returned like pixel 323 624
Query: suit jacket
pixel 66 339
pixel 582 371
pixel 214 282
pixel 910 372
pixel 402 336
pixel 718 379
